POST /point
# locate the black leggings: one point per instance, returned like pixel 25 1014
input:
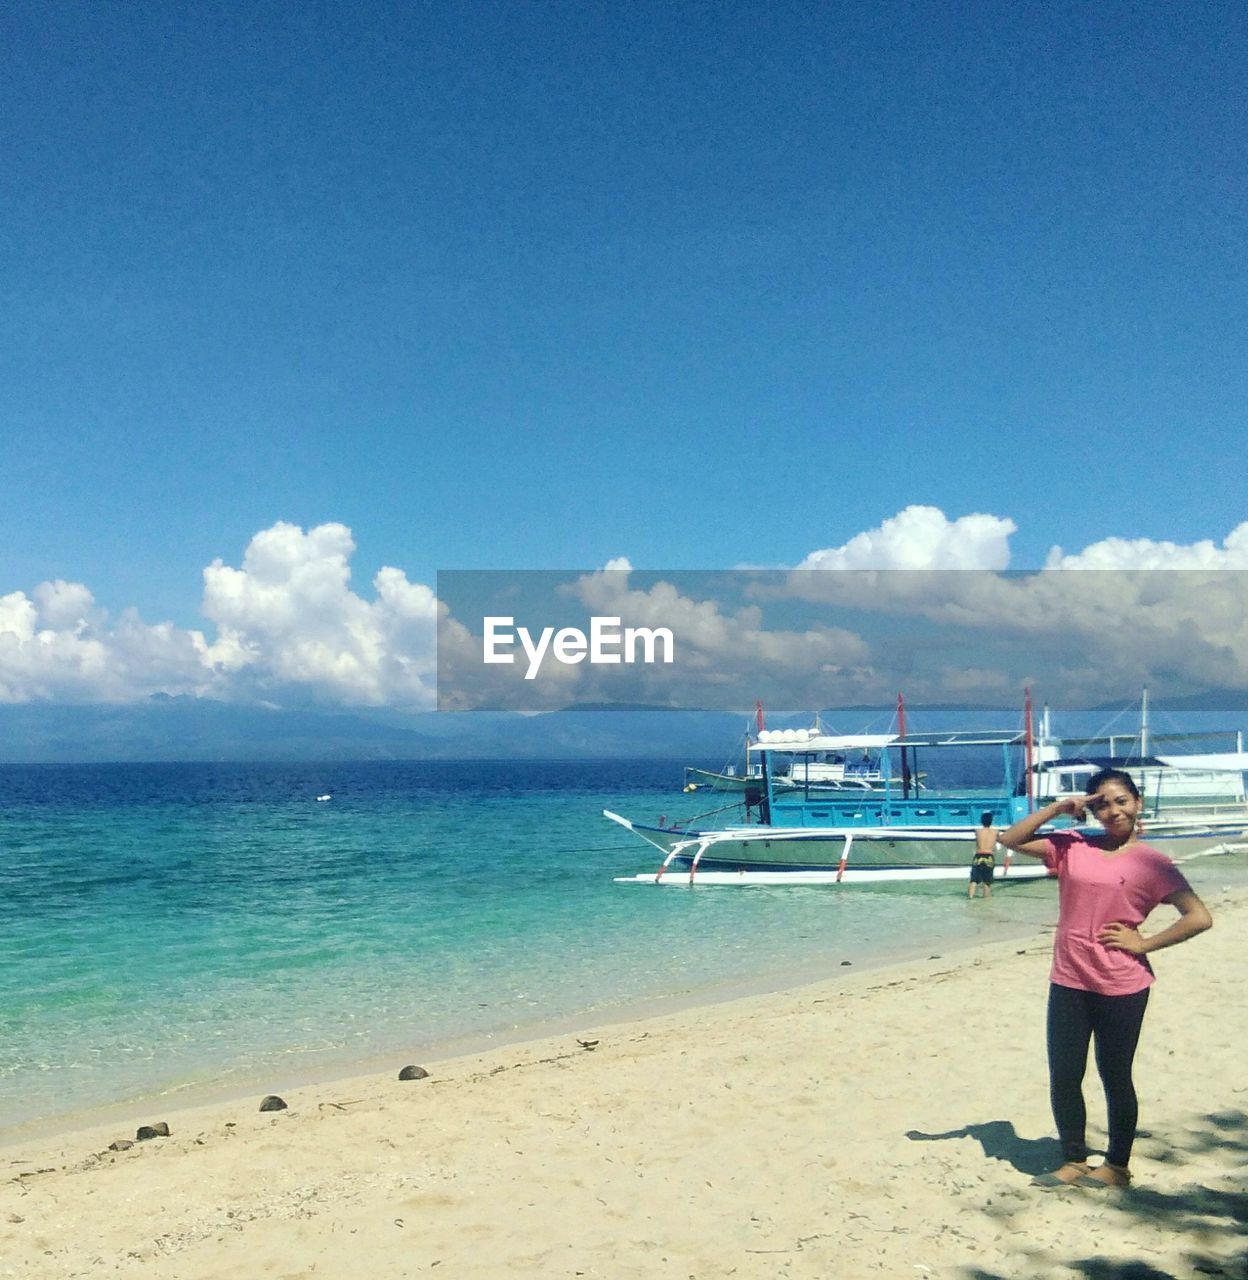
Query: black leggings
pixel 1074 1017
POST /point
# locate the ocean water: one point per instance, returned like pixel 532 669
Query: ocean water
pixel 168 928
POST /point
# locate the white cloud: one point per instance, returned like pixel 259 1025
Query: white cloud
pixel 1153 607
pixel 66 606
pixel 1142 553
pixel 288 626
pixel 18 618
pixel 285 624
pixel 60 646
pixel 920 537
pixel 288 618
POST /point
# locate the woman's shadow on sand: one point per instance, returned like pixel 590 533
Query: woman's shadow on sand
pixel 1000 1142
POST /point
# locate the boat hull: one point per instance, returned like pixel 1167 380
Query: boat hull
pixel 851 876
pixel 794 855
pixel 801 849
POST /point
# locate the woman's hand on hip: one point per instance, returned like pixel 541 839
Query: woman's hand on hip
pixel 1121 937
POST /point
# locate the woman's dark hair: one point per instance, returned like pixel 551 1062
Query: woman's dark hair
pixel 985 818
pixel 1102 776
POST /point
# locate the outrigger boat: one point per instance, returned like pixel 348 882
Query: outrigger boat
pixel 795 835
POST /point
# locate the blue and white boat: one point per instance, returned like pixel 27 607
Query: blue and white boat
pixel 795 835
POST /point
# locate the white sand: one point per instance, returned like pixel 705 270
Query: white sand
pixel 887 1123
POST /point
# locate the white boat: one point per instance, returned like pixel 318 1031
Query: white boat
pixel 1180 789
pixel 1168 784
pixel 846 762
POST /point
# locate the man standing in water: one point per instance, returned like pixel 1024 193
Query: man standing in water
pixel 984 861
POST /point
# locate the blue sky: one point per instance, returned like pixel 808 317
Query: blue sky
pixel 538 285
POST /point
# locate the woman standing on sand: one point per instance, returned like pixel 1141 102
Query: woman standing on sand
pixel 1100 978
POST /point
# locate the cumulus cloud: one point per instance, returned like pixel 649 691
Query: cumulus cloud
pixel 285 624
pixel 920 537
pixel 288 627
pixel 917 562
pixel 66 606
pixel 1143 553
pixel 287 619
pixel 1139 612
pixel 58 645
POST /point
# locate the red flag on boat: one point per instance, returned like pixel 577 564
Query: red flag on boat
pixel 758 715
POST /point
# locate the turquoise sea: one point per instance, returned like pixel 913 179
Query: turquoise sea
pixel 175 929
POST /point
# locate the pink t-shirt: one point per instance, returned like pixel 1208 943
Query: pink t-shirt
pixel 1094 889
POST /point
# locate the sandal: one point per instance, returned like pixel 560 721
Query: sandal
pixel 1052 1181
pixel 1115 1177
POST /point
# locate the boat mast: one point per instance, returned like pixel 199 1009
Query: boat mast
pixel 1144 723
pixel 1031 773
pixel 764 769
pixel 761 724
pixel 901 734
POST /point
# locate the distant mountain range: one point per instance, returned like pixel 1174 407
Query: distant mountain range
pixel 185 728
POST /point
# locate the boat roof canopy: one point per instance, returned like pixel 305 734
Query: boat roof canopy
pixel 1234 761
pixel 1091 764
pixel 809 742
pixel 1198 735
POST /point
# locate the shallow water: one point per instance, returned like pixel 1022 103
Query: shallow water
pixel 164 927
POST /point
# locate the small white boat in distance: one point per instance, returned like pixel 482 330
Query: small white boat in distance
pixel 816 761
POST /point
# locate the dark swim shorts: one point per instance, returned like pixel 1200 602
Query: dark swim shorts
pixel 981 874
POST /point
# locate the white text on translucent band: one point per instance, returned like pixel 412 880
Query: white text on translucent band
pixel 607 643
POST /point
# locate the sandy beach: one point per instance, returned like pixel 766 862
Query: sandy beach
pixel 884 1123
